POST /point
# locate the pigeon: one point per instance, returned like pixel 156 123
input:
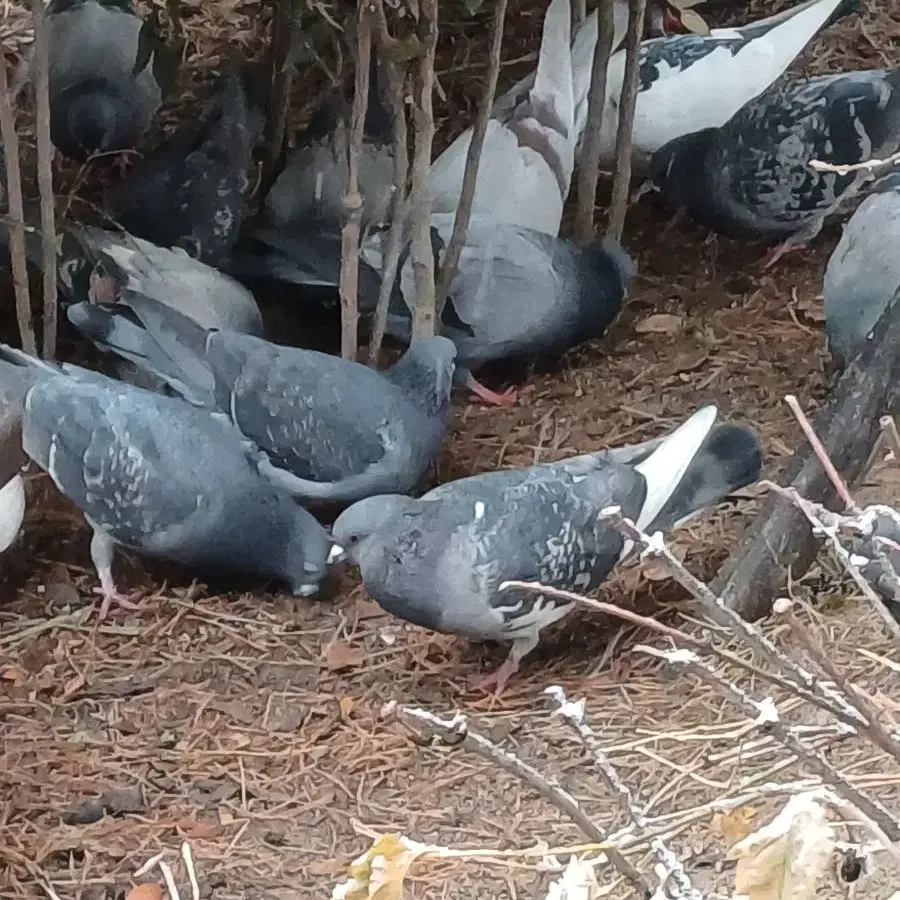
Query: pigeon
pixel 327 429
pixel 529 151
pixel 192 192
pixel 313 184
pixel 518 293
pixel 97 102
pixel 156 475
pixel 752 177
pixel 688 82
pixel 863 274
pixel 440 561
pixel 101 263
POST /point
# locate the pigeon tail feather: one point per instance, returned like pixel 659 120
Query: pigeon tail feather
pixel 667 465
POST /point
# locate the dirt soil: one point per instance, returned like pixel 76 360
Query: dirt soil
pixel 255 726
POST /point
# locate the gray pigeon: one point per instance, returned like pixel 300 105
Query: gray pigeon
pixel 97 103
pixel 863 274
pixel 518 292
pixel 313 184
pixel 192 192
pixel 156 475
pixel 751 177
pixel 328 429
pixel 104 262
pixel 439 562
pixel 12 487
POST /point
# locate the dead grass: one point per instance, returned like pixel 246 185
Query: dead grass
pixel 251 724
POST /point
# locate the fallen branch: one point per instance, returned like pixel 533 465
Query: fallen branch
pixel 618 203
pixel 574 715
pixel 589 164
pixel 454 249
pixel 780 540
pixel 41 63
pixel 422 253
pixel 456 731
pixel 353 203
pixel 765 714
pixel 16 214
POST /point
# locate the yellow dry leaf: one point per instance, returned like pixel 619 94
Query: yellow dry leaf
pixel 659 323
pixel 735 825
pixel 346 704
pixel 785 859
pixel 378 874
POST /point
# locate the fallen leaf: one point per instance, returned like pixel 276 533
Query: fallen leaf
pixel 659 323
pixel 14 674
pixel 694 22
pixel 339 655
pixel 368 609
pixel 73 685
pixel 734 826
pixel 150 890
pixel 379 873
pixel 346 704
pixel 785 859
pixel 323 867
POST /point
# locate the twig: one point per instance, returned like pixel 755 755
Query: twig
pixel 454 249
pixel 171 887
pixel 829 530
pixel 397 73
pixel 422 253
pixel 574 714
pixel 874 730
pixel 618 203
pixel 765 714
pixel 589 163
pixel 871 165
pixel 188 858
pixel 353 204
pixel 456 731
pixel 16 213
pixel 280 87
pixel 45 176
pixel 839 708
pixel 850 808
pixel 821 452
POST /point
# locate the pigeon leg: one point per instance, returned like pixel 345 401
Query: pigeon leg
pixel 775 254
pixel 508 398
pixel 102 551
pixel 521 647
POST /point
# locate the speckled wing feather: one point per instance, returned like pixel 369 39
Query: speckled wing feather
pixel 123 457
pixel 312 413
pixel 762 153
pixel 535 524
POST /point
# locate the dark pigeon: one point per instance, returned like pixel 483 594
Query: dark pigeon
pixel 193 191
pixel 327 429
pixel 751 177
pixel 156 475
pixel 863 274
pixel 439 562
pixel 97 102
pixel 313 184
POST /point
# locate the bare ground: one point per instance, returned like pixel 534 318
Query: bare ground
pixel 252 725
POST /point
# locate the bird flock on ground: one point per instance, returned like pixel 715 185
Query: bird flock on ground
pixel 211 444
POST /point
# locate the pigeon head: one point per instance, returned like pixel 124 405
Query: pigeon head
pixel 425 373
pixel 361 520
pixel 305 554
pixel 677 168
pixel 92 117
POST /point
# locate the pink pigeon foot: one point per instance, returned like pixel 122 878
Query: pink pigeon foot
pixel 111 594
pixel 497 678
pixel 508 398
pixel 775 254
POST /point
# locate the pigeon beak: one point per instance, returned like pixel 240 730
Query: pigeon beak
pixel 337 554
pixel 306 590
